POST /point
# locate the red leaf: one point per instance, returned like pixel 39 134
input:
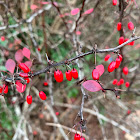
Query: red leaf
pixel 88 11
pixel 28 63
pixel 19 55
pixel 100 69
pixel 10 65
pixel 92 86
pixel 20 87
pixel 26 52
pixel 75 11
pixel 33 7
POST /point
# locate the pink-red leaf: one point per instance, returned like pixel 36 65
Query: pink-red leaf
pixel 26 52
pixel 100 69
pixel 10 65
pixel 44 2
pixel 19 55
pixel 75 11
pixel 34 7
pixel 88 11
pixel 20 87
pixel 92 86
pixel 28 63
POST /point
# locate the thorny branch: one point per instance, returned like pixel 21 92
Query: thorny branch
pixel 10 80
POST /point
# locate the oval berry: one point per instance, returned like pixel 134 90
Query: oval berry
pixel 114 81
pixel 107 57
pixel 95 74
pixel 45 83
pixel 29 99
pixel 121 40
pixel 77 137
pixel 114 2
pixel 24 67
pixel 121 81
pixel 111 66
pixel 42 95
pixel 1 89
pixel 130 26
pixel 128 112
pixel 74 73
pixel 131 43
pixel 68 75
pixel 127 84
pixel 82 138
pixel 5 89
pixel 119 26
pixel 118 62
pixel 25 75
pixel 27 80
pixel 2 38
pixel 125 70
pixel 126 40
pixel 58 75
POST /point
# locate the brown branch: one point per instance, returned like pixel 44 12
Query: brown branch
pixel 76 57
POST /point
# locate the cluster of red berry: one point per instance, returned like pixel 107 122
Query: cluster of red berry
pixel 4 89
pixel 114 64
pixel 78 137
pixel 118 83
pixel 122 40
pixel 130 26
pixel 26 70
pixel 58 75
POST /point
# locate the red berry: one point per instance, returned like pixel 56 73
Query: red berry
pixel 82 138
pixel 24 67
pixel 95 74
pixel 29 99
pixel 58 75
pixel 42 95
pixel 74 73
pixel 119 26
pixel 126 40
pixel 56 113
pixel 25 75
pixel 2 38
pixel 125 70
pixel 27 80
pixel 77 137
pixel 45 83
pixel 107 57
pixel 121 81
pixel 1 89
pixel 68 75
pixel 111 66
pixel 5 89
pixel 39 49
pixel 131 43
pixel 118 62
pixel 114 2
pixel 114 81
pixel 128 112
pixel 120 56
pixel 121 40
pixel 127 84
pixel 130 26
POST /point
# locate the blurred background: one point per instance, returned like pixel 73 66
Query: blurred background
pixel 56 29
